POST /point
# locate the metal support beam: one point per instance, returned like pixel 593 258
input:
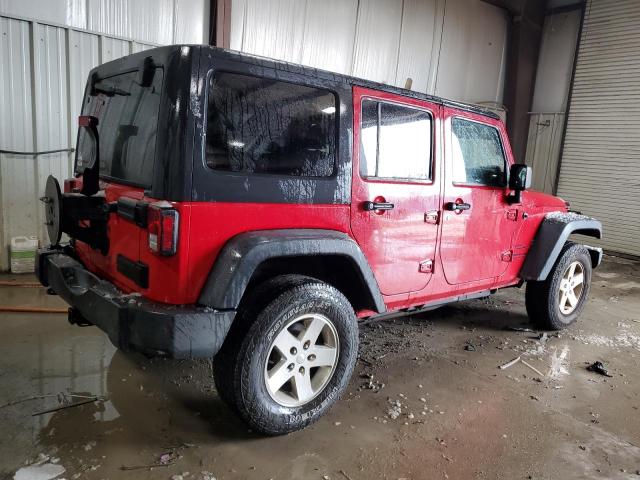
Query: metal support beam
pixel 220 23
pixel 522 63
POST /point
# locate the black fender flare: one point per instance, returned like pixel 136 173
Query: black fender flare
pixel 551 236
pixel 243 254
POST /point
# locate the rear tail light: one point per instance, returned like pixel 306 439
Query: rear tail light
pixel 71 185
pixel 162 224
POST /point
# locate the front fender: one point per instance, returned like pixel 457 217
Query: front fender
pixel 243 254
pixel 551 237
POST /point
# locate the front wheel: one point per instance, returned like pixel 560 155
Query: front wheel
pixel 294 359
pixel 558 301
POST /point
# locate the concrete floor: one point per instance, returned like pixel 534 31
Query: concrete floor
pixel 460 416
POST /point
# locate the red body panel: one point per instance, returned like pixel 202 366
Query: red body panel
pixel 475 250
pixel 474 241
pixel 213 224
pixel 204 229
pixel 396 241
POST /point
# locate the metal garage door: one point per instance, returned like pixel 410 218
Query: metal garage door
pixel 600 172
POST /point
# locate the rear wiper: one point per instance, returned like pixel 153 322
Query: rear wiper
pixel 109 90
pixel 144 78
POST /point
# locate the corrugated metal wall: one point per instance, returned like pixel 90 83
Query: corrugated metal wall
pixel 47 48
pixel 553 78
pixel 149 21
pixel 600 169
pixel 451 48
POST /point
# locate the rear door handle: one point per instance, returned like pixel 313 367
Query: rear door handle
pixel 456 207
pixel 369 206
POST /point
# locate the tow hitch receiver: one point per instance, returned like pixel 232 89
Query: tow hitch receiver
pixel 76 318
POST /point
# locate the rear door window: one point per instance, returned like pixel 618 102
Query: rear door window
pixel 127 126
pixel 265 126
pixel 477 154
pixel 395 141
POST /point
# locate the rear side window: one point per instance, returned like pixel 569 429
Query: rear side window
pixel 477 155
pixel 127 126
pixel 261 125
pixel 395 141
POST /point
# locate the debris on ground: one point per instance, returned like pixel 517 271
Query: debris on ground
pixel 370 384
pixel 27 399
pixel 559 362
pixel 509 364
pixel 89 445
pixel 598 367
pixel 624 339
pixel 65 400
pixel 519 329
pixel 145 467
pixel 395 410
pixel 345 475
pixel 41 471
pixel 165 459
pixel 180 476
pixel 532 368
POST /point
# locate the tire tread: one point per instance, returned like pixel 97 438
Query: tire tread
pixel 237 374
pixel 540 296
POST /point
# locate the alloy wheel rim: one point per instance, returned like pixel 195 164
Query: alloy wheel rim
pixel 571 288
pixel 302 358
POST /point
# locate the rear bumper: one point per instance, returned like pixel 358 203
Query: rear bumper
pixel 132 322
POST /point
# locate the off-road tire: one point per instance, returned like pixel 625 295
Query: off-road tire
pixel 241 363
pixel 542 298
pixel 252 304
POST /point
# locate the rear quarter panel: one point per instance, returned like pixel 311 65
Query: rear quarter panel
pixel 213 224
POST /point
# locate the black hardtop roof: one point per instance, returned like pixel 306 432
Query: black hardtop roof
pixel 338 77
pixel 330 77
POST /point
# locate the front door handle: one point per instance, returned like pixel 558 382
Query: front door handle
pixel 370 206
pixel 456 207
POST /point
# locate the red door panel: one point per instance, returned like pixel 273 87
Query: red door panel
pixel 478 224
pixel 399 242
pixel 473 240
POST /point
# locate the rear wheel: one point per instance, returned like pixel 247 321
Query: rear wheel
pixel 558 301
pixel 294 355
pixel 252 304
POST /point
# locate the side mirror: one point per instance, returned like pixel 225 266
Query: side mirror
pixel 520 177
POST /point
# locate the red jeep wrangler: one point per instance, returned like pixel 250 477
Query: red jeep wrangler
pixel 249 209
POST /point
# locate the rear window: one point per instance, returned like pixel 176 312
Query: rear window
pixel 127 125
pixel 395 141
pixel 261 125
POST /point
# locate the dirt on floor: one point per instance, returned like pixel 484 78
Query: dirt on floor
pixel 427 401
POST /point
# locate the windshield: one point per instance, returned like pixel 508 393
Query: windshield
pixel 127 125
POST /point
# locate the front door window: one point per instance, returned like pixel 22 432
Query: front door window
pixel 477 154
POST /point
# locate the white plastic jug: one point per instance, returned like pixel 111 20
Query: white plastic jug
pixel 23 254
